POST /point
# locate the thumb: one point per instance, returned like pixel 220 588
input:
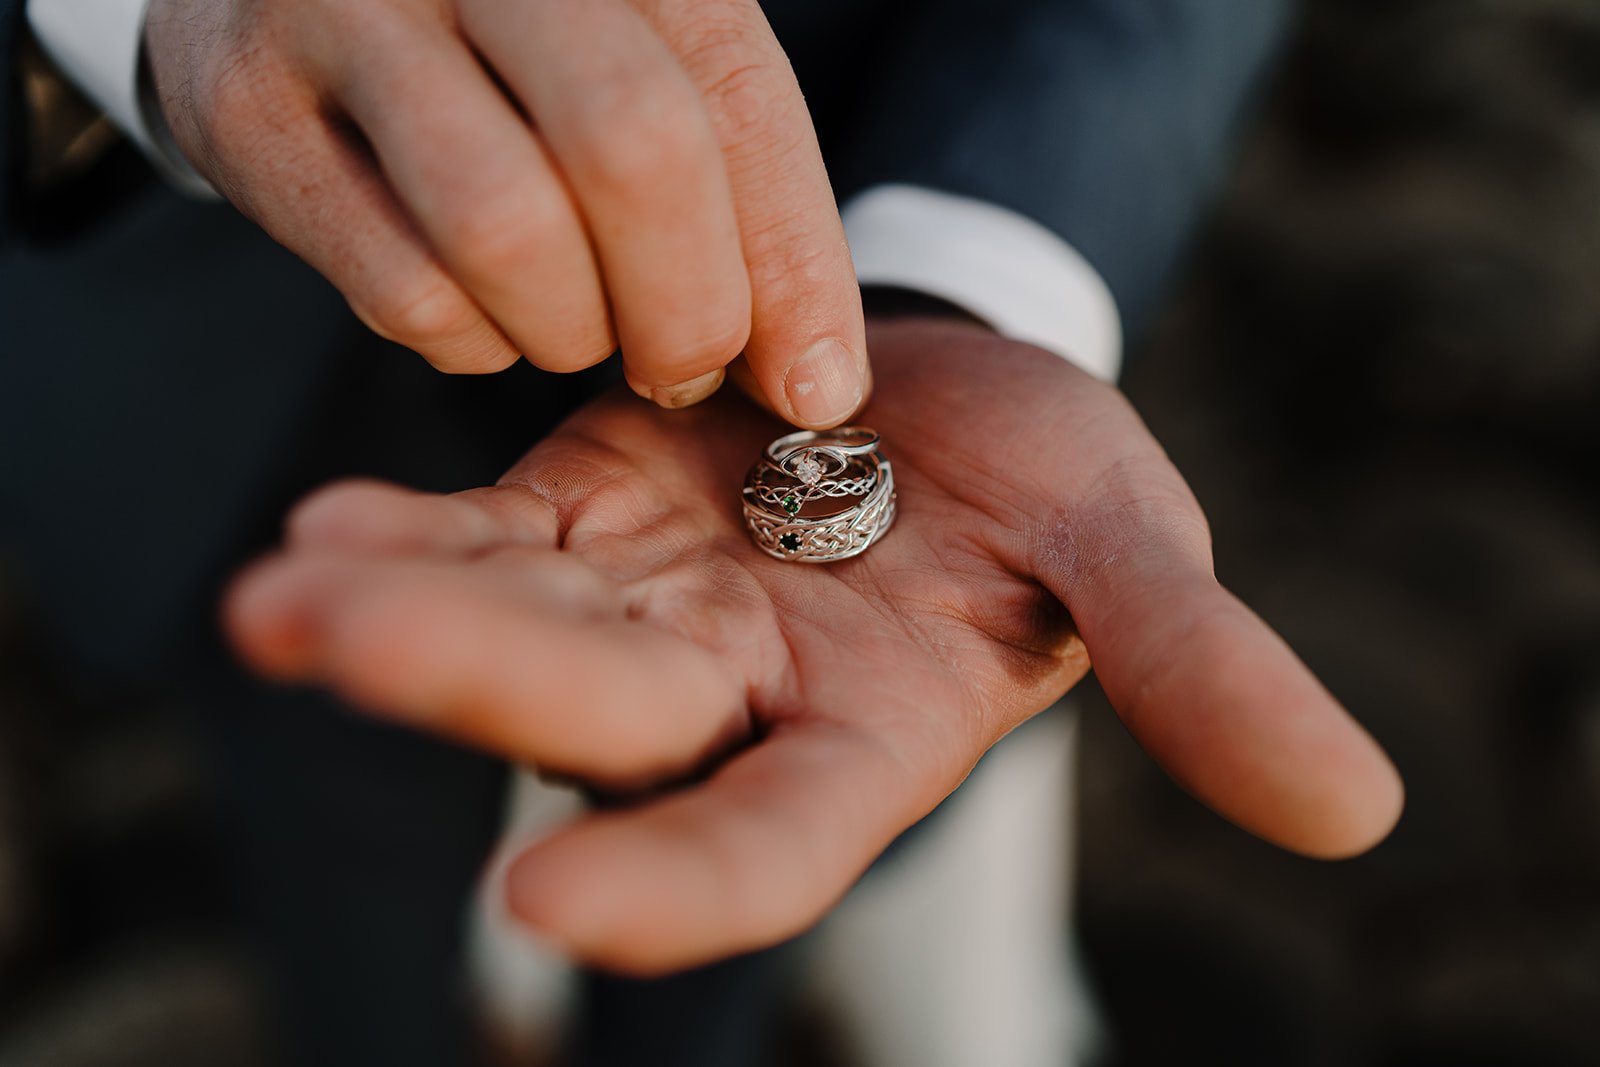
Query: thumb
pixel 1206 687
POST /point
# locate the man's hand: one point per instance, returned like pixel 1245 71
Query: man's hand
pixel 483 179
pixel 601 613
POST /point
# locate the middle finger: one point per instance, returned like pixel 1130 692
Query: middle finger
pixel 633 138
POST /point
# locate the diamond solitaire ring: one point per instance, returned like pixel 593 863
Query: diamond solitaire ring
pixel 819 496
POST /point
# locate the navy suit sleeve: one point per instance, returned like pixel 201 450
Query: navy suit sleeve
pixel 1109 121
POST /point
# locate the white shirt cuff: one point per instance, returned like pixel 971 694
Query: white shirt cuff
pixel 998 266
pixel 97 44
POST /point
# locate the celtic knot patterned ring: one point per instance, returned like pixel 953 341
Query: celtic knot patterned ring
pixel 820 496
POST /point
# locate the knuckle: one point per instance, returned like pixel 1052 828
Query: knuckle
pixel 242 118
pixel 427 311
pixel 580 353
pixel 726 339
pixel 713 342
pixel 230 103
pixel 485 352
pixel 749 88
pixel 783 256
pixel 710 36
pixel 238 86
pixel 754 107
pixel 436 319
pixel 639 135
pixel 503 234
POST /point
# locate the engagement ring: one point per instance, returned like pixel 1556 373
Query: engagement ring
pixel 820 496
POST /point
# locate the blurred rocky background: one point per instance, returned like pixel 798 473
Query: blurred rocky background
pixel 1382 376
pixel 118 943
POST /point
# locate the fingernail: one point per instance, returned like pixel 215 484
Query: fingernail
pixel 824 386
pixel 690 392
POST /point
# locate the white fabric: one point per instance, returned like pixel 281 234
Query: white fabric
pixel 956 949
pixel 524 987
pixel 97 44
pixel 1007 270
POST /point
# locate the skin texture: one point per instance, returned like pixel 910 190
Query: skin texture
pixel 549 178
pixel 601 613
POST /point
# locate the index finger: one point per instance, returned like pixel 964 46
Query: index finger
pixel 807 345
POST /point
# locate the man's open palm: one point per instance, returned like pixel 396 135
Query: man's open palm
pixel 602 614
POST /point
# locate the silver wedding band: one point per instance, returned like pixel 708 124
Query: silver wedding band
pixel 818 496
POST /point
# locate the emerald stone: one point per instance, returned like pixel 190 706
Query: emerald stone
pixel 791 504
pixel 790 541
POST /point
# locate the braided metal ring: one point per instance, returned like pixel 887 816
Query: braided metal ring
pixel 820 496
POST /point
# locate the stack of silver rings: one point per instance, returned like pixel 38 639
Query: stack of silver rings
pixel 820 496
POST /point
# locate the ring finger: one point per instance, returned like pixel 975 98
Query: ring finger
pixel 482 187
